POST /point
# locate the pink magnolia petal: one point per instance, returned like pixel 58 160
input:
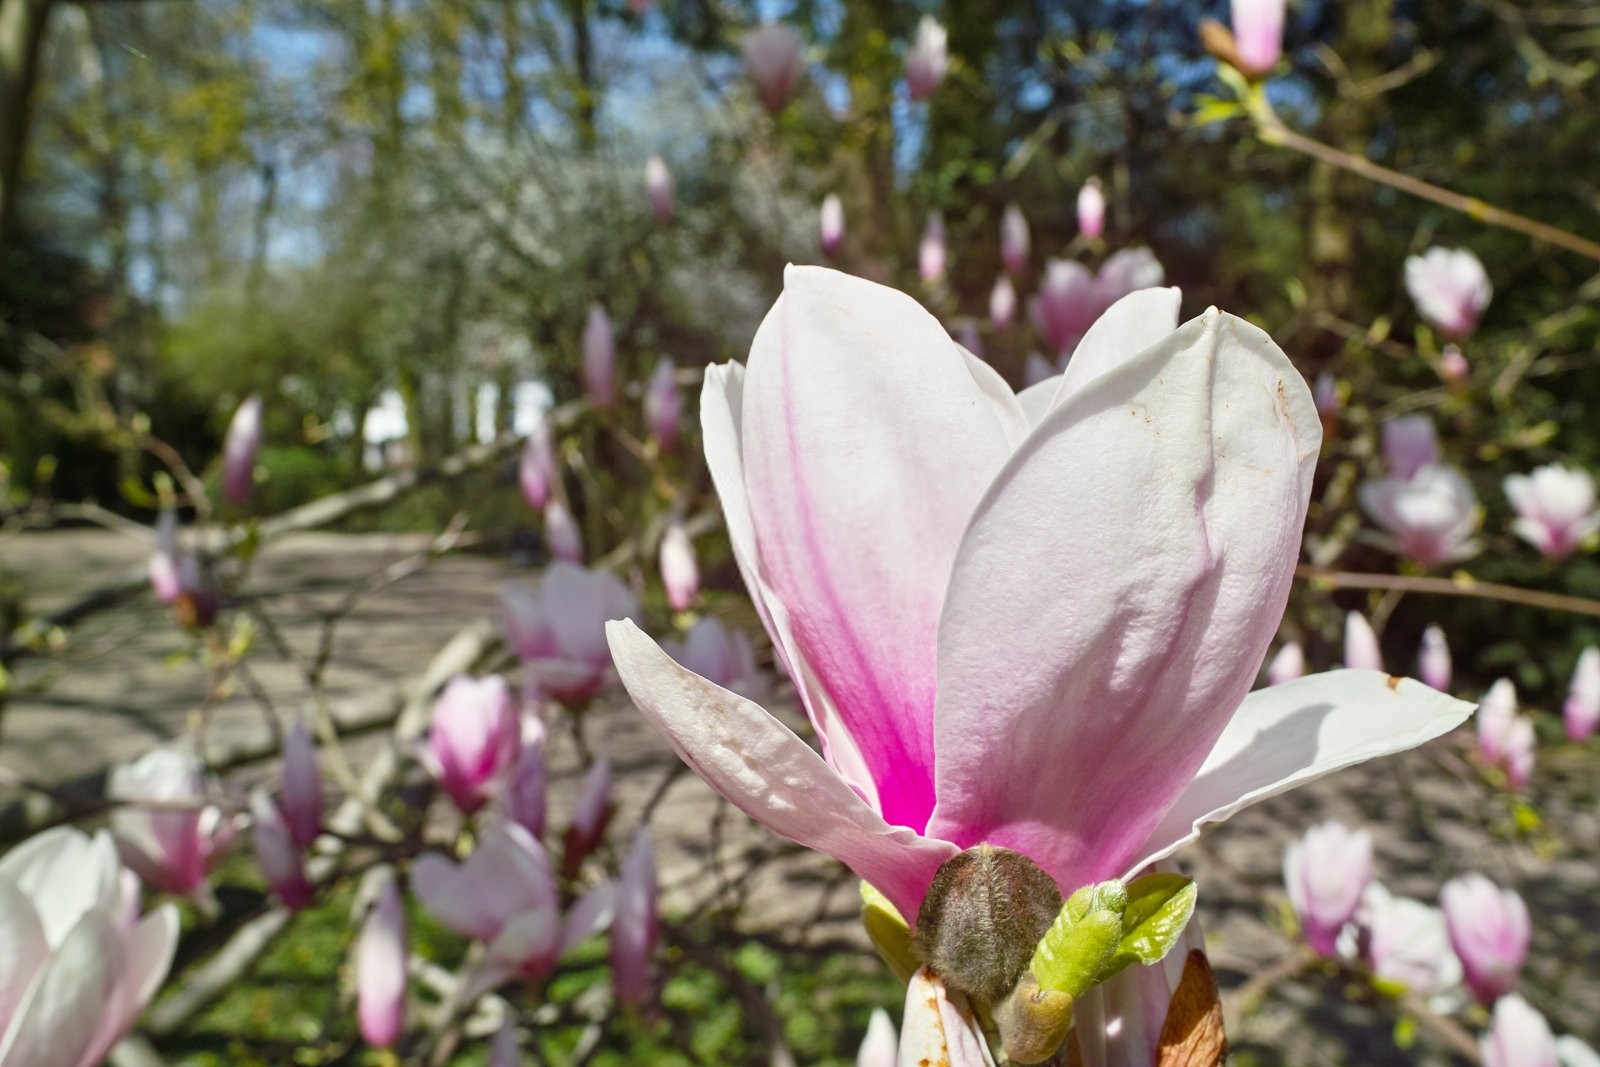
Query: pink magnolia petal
pixel 507 874
pixel 22 947
pixel 1131 325
pixel 770 774
pixel 1287 735
pixel 58 1019
pixel 147 956
pixel 1133 561
pixel 860 405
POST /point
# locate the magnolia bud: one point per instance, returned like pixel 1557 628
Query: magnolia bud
pixel 928 59
pixel 561 534
pixel 302 785
pixel 537 467
pixel 1361 644
pixel 276 851
pixel 1014 239
pixel 663 405
pixel 599 358
pixel 1287 665
pixel 1091 209
pixel 1433 661
pixel 658 188
pixel 679 571
pixel 381 970
pixel 1257 35
pixel 1002 302
pixel 774 60
pixel 239 450
pixel 1033 1022
pixel 832 224
pixel 931 252
pixel 1582 710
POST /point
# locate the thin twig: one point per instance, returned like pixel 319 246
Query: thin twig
pixel 1459 585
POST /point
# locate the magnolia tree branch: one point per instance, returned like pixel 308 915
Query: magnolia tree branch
pixel 1461 584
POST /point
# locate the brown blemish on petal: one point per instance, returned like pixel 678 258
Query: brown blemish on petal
pixel 1394 682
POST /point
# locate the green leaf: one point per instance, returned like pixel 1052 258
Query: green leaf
pixel 889 932
pixel 1213 110
pixel 1079 950
pixel 1159 907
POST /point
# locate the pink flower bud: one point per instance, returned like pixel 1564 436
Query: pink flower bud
pixel 302 785
pixel 1014 239
pixel 1407 942
pixel 880 1047
pixel 165 580
pixel 561 534
pixel 1450 288
pixel 1555 508
pixel 1518 1036
pixel 239 449
pixel 1430 517
pixel 928 59
pixel 1326 395
pixel 536 470
pixel 1066 304
pixel 1002 302
pixel 680 574
pixel 831 224
pixel 277 853
pixel 1326 873
pixel 1091 209
pixel 1361 644
pixel 1489 929
pixel 1521 742
pixel 1258 34
pixel 721 655
pixel 599 358
pixel 524 800
pixel 474 739
pixel 931 252
pixel 663 404
pixel 589 818
pixel 1582 711
pixel 381 970
pixel 166 831
pixel 1287 665
pixel 773 59
pixel 1037 369
pixel 658 188
pixel 1433 660
pixel 1409 444
pixel 1497 710
pixel 635 925
pixel 1453 368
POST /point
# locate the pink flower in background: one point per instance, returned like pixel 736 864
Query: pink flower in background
pixel 658 188
pixel 558 628
pixel 1429 517
pixel 931 251
pixel 524 800
pixel 774 59
pixel 239 450
pixel 503 1051
pixel 79 963
pixel 903 521
pixel 1450 288
pixel 1489 929
pixel 635 927
pixel 1433 659
pixel 164 828
pixel 721 655
pixel 1453 368
pixel 536 469
pixel 1518 1036
pixel 165 576
pixel 1002 302
pixel 1497 710
pixel 1067 303
pixel 939 1027
pixel 590 817
pixel 1258 34
pixel 1091 209
pixel 381 969
pixel 1326 873
pixel 1409 444
pixel 1361 644
pixel 663 404
pixel 1581 713
pixel 928 59
pixel 880 1046
pixel 599 358
pixel 1287 665
pixel 301 792
pixel 680 574
pixel 1015 240
pixel 280 858
pixel 561 533
pixel 473 741
pixel 1407 942
pixel 1555 508
pixel 1327 395
pixel 1521 744
pixel 967 333
pixel 831 224
pixel 1038 369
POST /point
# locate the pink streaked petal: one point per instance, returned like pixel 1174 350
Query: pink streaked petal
pixel 1115 596
pixel 770 774
pixel 1286 735
pixel 1139 320
pixel 148 950
pixel 859 407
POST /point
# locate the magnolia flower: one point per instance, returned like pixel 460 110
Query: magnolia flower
pixel 832 224
pixel 1067 303
pixel 599 358
pixel 505 895
pixel 1582 711
pixel 1326 873
pixel 1091 209
pixel 561 533
pixel 721 655
pixel 928 59
pixel 278 854
pixel 1450 288
pixel 1497 710
pixel 1287 665
pixel 1002 302
pixel 931 252
pixel 1361 644
pixel 939 1027
pixel 1031 622
pixel 1409 444
pixel 302 785
pixel 1038 369
pixel 1489 929
pixel 880 1046
pixel 558 628
pixel 1518 1036
pixel 663 404
pixel 680 574
pixel 1408 943
pixel 381 969
pixel 590 817
pixel 1521 743
pixel 1433 660
pixel 473 740
pixel 1125 272
pixel 773 59
pixel 1429 517
pixel 1453 366
pixel 239 449
pixel 658 188
pixel 635 925
pixel 1555 508
pixel 524 800
pixel 1014 239
pixel 164 829
pixel 78 963
pixel 1258 34
pixel 537 467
